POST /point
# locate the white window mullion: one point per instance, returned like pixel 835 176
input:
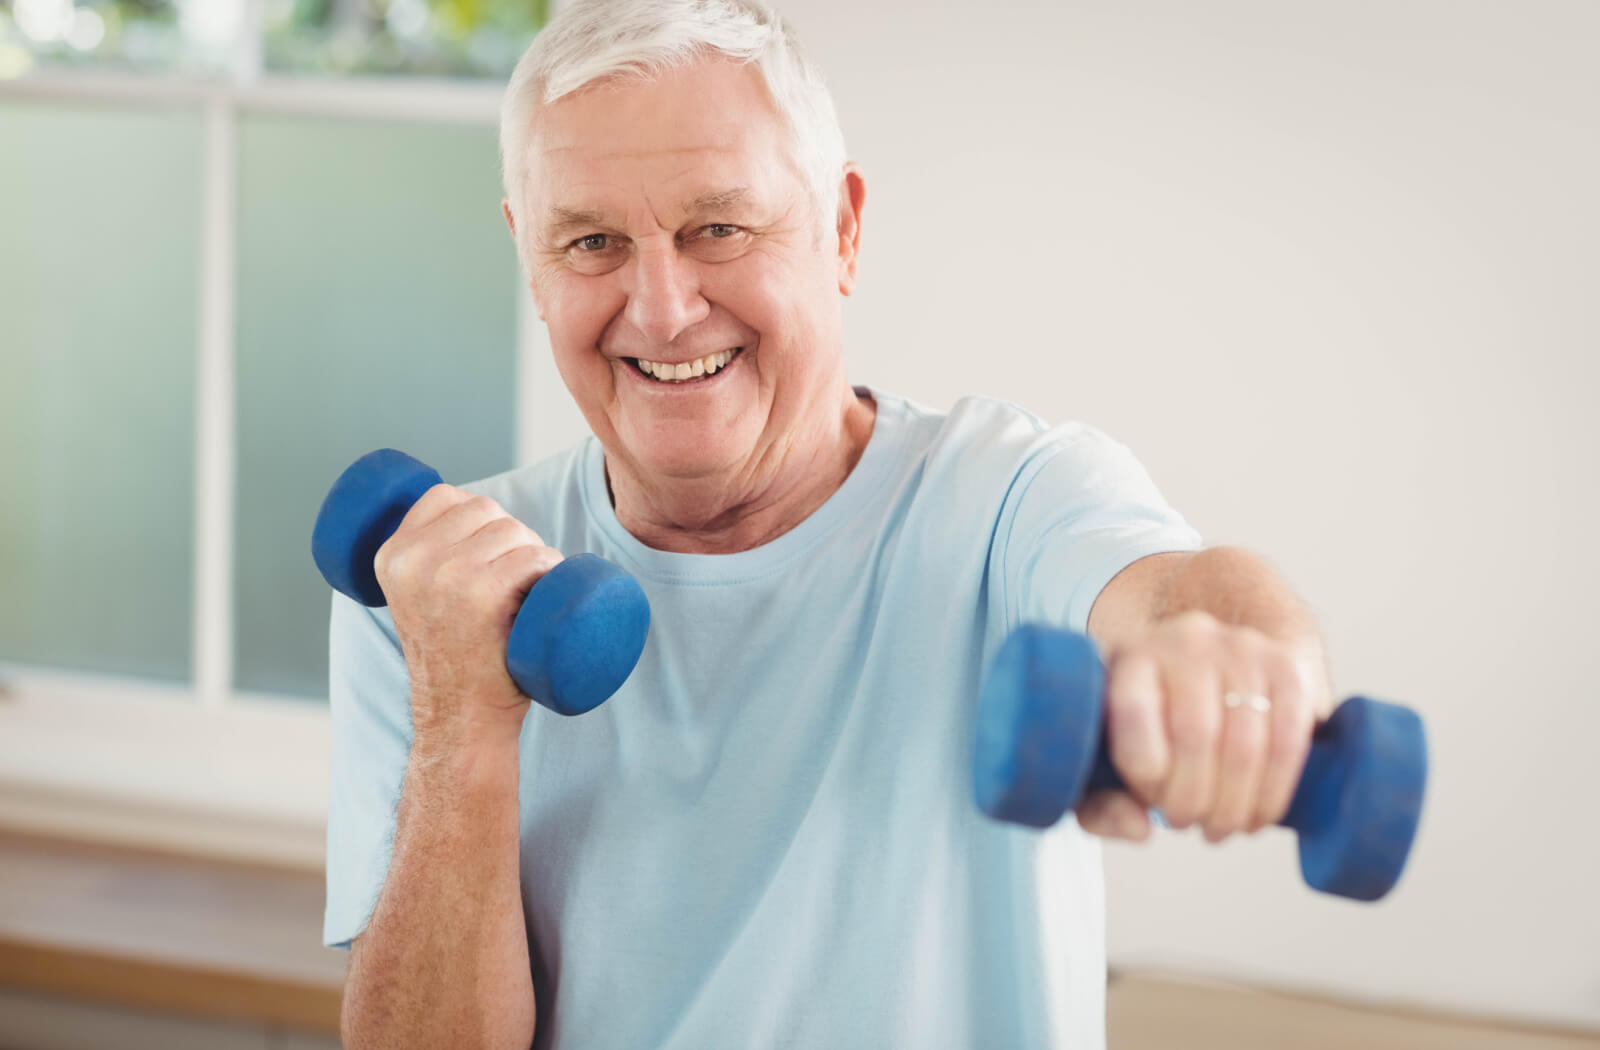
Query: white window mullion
pixel 248 64
pixel 546 420
pixel 214 409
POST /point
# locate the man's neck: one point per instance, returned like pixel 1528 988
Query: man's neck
pixel 725 516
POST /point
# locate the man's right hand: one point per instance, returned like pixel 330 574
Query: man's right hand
pixel 455 573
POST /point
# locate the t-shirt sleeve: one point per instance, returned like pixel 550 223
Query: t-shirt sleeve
pixel 1082 509
pixel 369 694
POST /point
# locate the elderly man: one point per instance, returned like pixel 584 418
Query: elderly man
pixel 767 836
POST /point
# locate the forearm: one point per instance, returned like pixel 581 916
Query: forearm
pixel 444 960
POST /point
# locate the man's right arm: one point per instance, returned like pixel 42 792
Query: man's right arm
pixel 444 960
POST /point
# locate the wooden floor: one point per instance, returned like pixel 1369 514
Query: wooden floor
pixel 1153 1012
pixel 216 955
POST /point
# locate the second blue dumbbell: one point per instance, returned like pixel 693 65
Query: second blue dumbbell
pixel 1041 748
pixel 580 630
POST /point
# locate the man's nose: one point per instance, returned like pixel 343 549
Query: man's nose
pixel 664 298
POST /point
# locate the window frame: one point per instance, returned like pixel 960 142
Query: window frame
pixel 216 770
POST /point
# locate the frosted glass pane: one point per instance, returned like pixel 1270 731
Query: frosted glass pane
pixel 377 307
pixel 98 267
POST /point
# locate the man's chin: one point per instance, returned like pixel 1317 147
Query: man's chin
pixel 695 452
pixel 685 469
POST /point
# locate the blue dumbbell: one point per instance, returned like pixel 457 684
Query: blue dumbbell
pixel 579 632
pixel 1041 748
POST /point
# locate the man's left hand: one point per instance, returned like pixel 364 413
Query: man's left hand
pixel 1183 745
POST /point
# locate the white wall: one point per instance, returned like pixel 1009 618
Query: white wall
pixel 1331 271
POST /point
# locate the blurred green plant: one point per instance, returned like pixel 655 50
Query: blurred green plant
pixel 446 38
pixel 136 34
pixel 438 38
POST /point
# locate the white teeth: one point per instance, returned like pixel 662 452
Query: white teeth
pixel 707 365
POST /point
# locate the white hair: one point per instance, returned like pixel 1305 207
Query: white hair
pixel 589 40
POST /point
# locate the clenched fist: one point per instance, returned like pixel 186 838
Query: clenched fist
pixel 1211 723
pixel 455 573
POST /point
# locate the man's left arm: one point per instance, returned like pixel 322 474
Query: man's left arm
pixel 1179 633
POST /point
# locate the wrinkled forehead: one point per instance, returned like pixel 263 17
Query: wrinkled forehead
pixel 680 138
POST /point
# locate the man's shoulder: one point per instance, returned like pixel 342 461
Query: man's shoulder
pixel 967 465
pixel 991 436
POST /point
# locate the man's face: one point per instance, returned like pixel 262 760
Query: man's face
pixel 667 223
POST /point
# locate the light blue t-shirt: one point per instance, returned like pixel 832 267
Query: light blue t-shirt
pixel 767 837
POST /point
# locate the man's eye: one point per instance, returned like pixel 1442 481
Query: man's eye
pixel 595 242
pixel 721 230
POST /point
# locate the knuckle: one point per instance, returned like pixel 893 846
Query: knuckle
pixel 505 527
pixel 440 495
pixel 1309 671
pixel 439 500
pixel 529 550
pixel 1130 704
pixel 1133 727
pixel 1242 745
pixel 527 563
pixel 1289 678
pixel 1133 684
pixel 1195 725
pixel 393 560
pixel 1130 667
pixel 481 505
pixel 1195 633
pixel 1240 640
pixel 1141 769
pixel 1282 665
pixel 383 557
pixel 1195 621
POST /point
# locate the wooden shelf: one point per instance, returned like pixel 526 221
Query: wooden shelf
pixel 196 937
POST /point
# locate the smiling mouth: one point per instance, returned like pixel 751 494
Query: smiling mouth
pixel 708 365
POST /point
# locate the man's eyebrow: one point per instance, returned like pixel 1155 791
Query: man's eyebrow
pixel 720 199
pixel 561 218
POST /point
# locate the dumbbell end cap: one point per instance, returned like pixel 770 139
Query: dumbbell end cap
pixel 579 635
pixel 1359 846
pixel 1038 725
pixel 359 514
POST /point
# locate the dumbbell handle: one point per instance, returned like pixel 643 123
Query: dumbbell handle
pixel 1314 797
pixel 1356 805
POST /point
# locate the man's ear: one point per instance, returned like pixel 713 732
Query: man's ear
pixel 852 198
pixel 511 224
